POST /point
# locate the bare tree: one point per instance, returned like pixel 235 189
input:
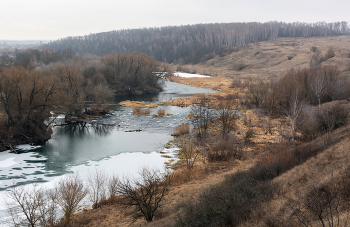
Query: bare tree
pixel 294 112
pixel 202 116
pixel 145 194
pixel 226 110
pixel 188 151
pixel 318 86
pixel 97 187
pixel 70 192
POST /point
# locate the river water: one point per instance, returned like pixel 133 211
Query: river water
pixel 109 143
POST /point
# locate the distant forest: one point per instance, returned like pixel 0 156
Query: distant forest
pixel 192 43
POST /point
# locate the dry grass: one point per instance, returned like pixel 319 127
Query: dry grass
pixel 270 60
pixel 137 104
pixel 161 113
pixel 327 166
pixel 139 111
pixel 181 129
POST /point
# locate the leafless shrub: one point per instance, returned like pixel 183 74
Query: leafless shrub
pixel 236 83
pixel 320 207
pixel 281 159
pixel 146 193
pixel 224 149
pixel 70 191
pixel 31 206
pixel 146 111
pixel 139 111
pixel 112 185
pixel 136 111
pixel 313 49
pixel 228 203
pixel 329 54
pixel 161 112
pixel 226 113
pixel 97 187
pixel 202 115
pixel 182 129
pixel 323 120
pixel 258 93
pixel 188 152
pixel 239 66
pixel 249 135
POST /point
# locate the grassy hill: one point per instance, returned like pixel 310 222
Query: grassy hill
pixel 270 60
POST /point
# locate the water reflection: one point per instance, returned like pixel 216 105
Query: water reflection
pixel 83 128
pixel 99 140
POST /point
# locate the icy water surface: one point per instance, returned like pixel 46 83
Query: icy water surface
pixel 110 143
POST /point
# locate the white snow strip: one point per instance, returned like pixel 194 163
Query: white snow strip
pixel 189 75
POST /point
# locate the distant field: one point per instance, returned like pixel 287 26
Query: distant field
pixel 271 59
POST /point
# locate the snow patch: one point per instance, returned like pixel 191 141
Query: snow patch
pixel 189 75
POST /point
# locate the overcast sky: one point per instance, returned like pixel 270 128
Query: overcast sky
pixel 53 19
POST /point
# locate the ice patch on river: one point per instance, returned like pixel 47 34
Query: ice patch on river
pixel 189 75
pixel 125 164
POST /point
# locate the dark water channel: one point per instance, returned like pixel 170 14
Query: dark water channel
pixel 108 143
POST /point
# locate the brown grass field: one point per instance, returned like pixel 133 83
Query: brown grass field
pixel 269 60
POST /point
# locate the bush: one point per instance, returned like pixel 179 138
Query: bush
pixel 161 112
pixel 136 111
pixel 282 159
pixel 70 191
pixel 139 111
pixel 329 54
pixel 188 152
pixel 31 206
pixel 224 149
pixel 323 120
pixel 240 66
pixel 145 194
pixel 320 206
pixel 228 203
pixel 313 49
pixel 181 130
pixel 97 185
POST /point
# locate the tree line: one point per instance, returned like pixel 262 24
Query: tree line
pixel 193 43
pixel 28 95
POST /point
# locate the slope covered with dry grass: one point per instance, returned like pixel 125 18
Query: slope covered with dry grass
pixel 271 59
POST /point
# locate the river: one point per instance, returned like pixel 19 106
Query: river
pixel 109 143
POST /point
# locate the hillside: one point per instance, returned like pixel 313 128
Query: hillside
pixel 271 60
